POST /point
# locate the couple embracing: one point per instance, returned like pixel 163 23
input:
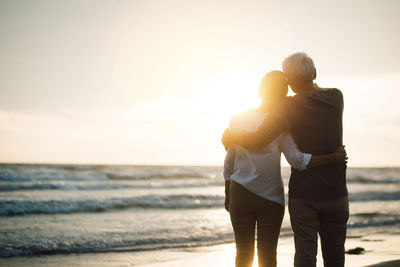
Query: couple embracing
pixel 307 128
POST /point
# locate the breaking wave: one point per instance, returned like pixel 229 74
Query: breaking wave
pixel 24 207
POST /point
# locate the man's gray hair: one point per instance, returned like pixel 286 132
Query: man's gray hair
pixel 299 67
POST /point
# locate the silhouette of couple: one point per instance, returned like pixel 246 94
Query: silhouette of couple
pixel 307 128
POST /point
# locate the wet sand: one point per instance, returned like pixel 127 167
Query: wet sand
pixel 380 251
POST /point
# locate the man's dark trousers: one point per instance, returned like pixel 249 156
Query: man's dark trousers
pixel 326 217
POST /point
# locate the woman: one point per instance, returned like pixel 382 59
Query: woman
pixel 254 192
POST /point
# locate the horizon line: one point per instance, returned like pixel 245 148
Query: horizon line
pixel 165 164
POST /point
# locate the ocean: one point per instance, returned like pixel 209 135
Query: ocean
pixel 59 209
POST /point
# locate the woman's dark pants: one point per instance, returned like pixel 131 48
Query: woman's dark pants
pixel 248 210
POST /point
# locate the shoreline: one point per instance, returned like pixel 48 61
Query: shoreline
pixel 380 251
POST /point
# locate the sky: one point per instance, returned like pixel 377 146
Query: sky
pixel 156 81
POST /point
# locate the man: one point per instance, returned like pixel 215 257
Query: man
pixel 318 200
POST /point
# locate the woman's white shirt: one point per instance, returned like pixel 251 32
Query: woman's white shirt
pixel 260 171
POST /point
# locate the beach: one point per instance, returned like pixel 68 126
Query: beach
pixel 380 251
pixel 110 215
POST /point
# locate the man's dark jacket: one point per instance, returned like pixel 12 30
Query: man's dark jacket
pixel 314 119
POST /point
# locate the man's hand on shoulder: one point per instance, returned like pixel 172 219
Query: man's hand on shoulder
pixel 227 138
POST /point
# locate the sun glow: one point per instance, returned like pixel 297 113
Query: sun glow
pixel 229 94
